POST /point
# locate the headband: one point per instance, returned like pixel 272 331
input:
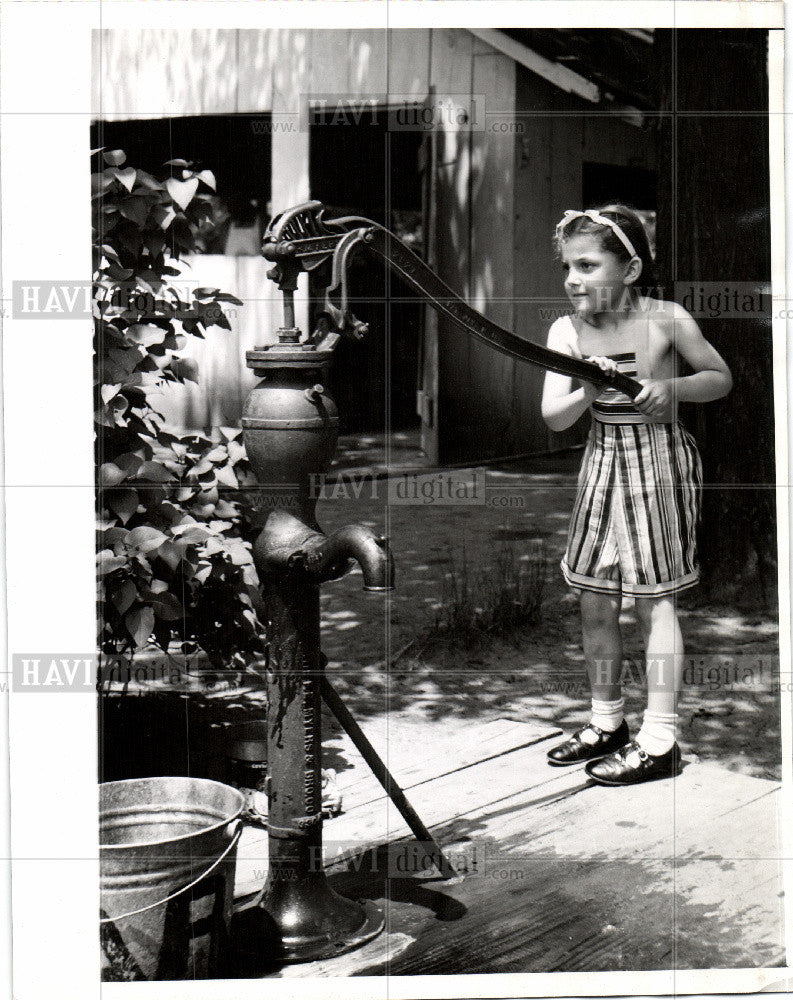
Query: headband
pixel 601 220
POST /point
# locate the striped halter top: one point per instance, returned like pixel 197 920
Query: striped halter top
pixel 612 406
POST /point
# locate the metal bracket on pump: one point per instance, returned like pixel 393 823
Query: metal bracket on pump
pixel 301 239
pixel 341 315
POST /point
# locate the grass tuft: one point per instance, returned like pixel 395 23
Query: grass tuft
pixel 497 600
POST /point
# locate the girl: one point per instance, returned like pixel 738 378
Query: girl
pixel 633 526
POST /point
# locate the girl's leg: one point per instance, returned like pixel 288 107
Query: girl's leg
pixel 600 615
pixel 664 649
pixel 600 625
pixel 602 642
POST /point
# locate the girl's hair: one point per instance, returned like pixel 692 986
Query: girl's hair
pixel 633 227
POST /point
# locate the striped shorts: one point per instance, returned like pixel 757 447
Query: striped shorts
pixel 633 528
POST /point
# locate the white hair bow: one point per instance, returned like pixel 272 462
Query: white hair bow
pixel 601 220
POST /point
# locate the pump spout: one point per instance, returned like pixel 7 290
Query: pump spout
pixel 286 543
pixel 323 556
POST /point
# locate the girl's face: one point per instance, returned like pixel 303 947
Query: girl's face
pixel 594 277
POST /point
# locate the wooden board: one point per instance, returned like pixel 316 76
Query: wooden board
pixel 412 760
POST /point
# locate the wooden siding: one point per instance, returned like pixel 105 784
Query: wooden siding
pixel 155 74
pixel 224 379
pixel 492 258
pixel 451 74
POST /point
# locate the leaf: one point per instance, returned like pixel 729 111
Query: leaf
pixel 129 462
pixel 225 475
pixel 208 178
pixel 145 334
pixel 147 181
pixel 119 273
pixel 182 192
pixel 106 562
pixel 158 586
pixel 170 555
pixel 109 391
pixel 240 555
pixel 144 538
pixel 185 369
pixel 236 452
pixel 119 404
pixel 135 209
pixel 205 510
pixel 163 215
pixel 202 468
pixel 114 157
pixel 206 293
pixel 127 177
pixel 223 509
pixel 104 417
pixel 226 297
pixel 110 474
pixel 115 534
pixel 191 533
pixel 155 244
pixel 110 253
pixel 153 472
pixel 218 454
pixel 123 502
pixel 124 597
pixel 176 163
pixel 220 525
pixel 140 624
pixel 99 184
pixel 220 320
pixel 167 607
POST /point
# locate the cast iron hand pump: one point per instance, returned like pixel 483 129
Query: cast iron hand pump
pixel 290 427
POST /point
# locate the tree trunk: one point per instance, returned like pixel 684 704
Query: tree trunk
pixel 714 226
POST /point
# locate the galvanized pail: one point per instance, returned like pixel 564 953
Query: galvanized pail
pixel 167 858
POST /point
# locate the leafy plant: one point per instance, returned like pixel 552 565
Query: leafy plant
pixel 173 559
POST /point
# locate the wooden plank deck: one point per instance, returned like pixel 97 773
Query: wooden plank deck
pixel 557 873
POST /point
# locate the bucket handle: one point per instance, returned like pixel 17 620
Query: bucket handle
pixel 151 906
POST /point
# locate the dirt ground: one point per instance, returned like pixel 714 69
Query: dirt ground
pixel 730 704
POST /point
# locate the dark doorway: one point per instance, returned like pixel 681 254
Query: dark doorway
pixel 635 187
pixel 359 166
pixel 606 182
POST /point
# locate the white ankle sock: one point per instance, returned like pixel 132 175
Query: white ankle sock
pixel 657 734
pixel 608 715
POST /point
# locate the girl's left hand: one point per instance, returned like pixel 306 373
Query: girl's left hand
pixel 655 398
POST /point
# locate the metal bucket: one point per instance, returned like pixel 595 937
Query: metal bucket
pixel 167 857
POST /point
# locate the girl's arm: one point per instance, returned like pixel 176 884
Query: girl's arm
pixel 711 379
pixel 561 404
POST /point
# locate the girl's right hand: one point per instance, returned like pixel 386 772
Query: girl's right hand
pixel 608 365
